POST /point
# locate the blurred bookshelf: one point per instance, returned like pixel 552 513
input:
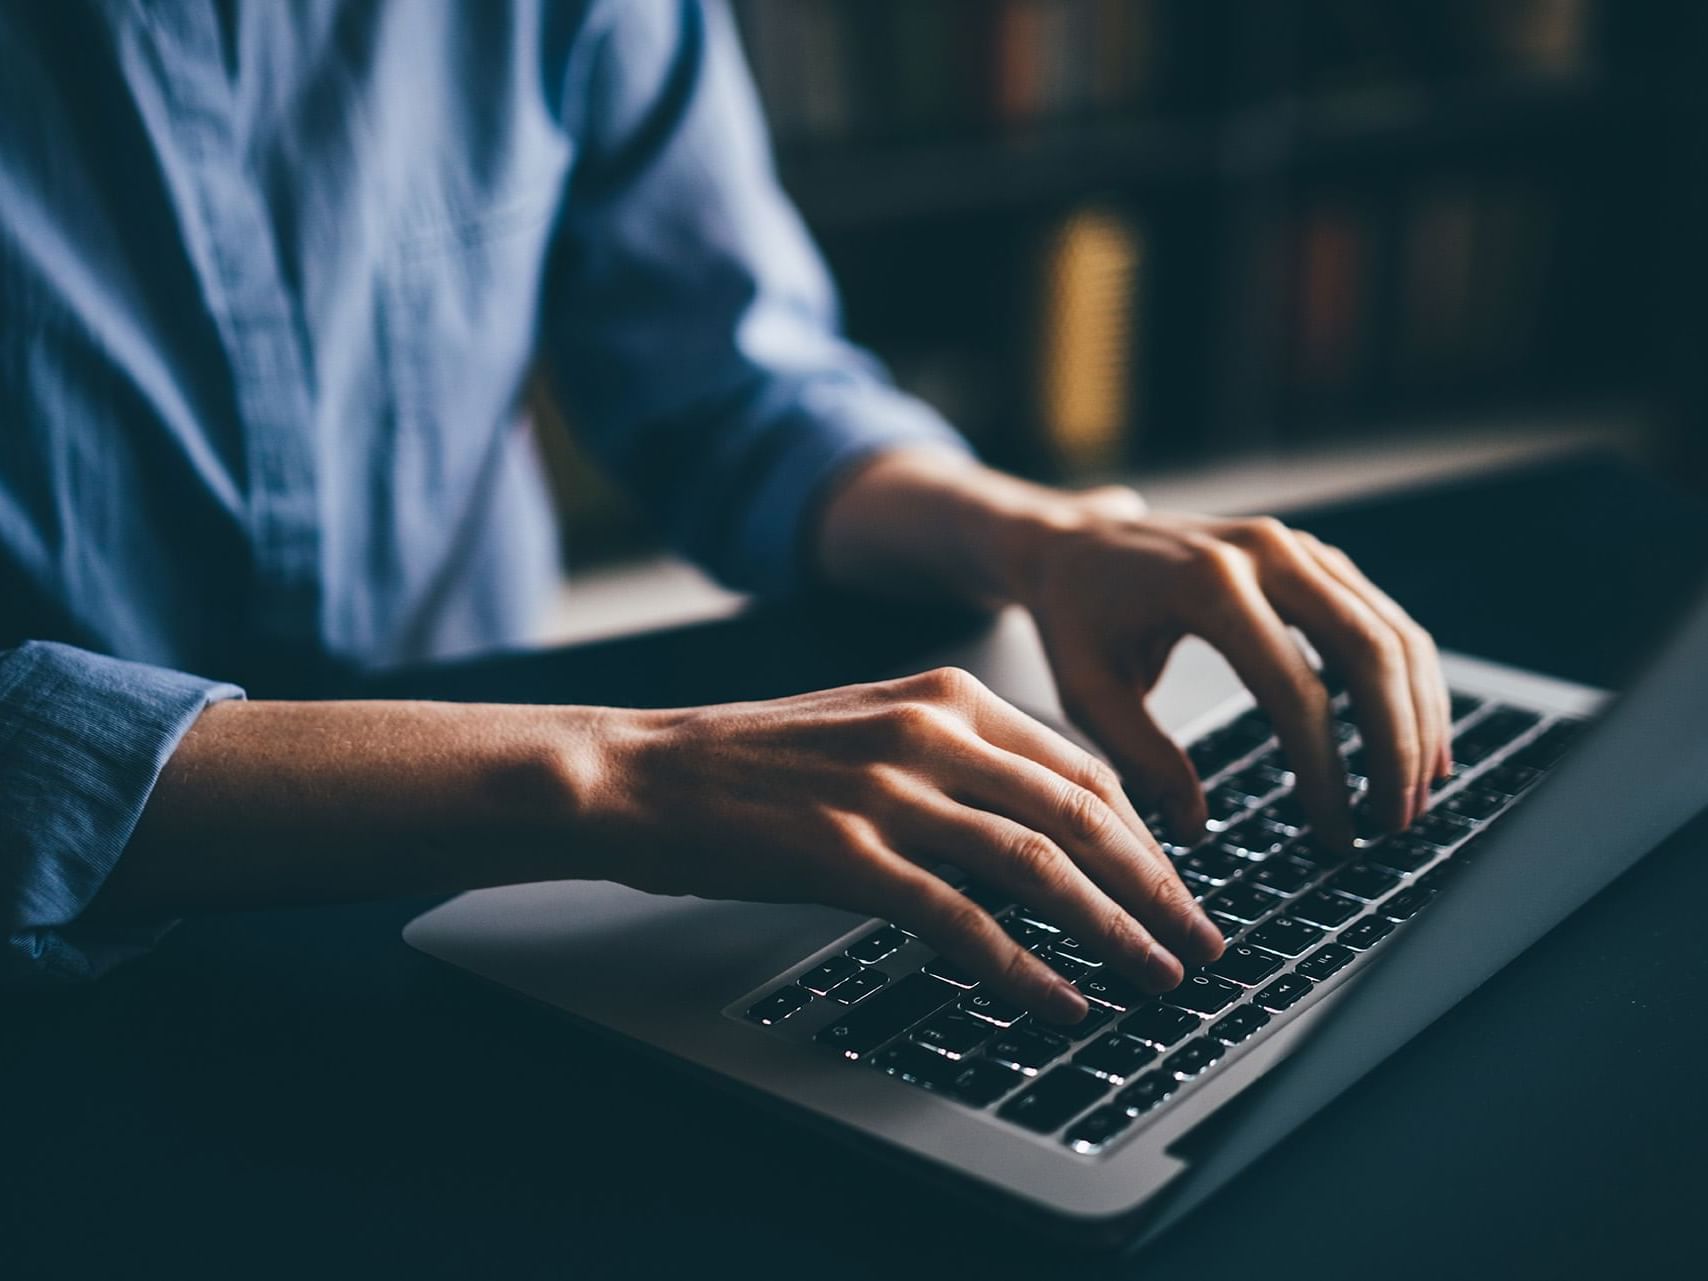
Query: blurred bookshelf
pixel 1104 236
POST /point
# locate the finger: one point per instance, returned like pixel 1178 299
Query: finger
pixel 1368 651
pixel 1240 622
pixel 1152 764
pixel 1032 867
pixel 1001 723
pixel 1136 874
pixel 965 933
pixel 1429 682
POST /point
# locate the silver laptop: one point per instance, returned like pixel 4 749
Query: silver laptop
pixel 1332 962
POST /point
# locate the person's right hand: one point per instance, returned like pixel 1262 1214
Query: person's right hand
pixel 845 796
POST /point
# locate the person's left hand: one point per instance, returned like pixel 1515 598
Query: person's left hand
pixel 1114 592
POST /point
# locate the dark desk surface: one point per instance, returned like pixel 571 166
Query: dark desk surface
pixel 296 1093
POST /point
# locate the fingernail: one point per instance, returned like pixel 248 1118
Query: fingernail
pixel 1065 1004
pixel 1164 970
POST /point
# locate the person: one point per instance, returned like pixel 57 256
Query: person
pixel 272 280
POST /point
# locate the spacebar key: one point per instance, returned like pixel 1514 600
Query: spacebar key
pixel 893 1010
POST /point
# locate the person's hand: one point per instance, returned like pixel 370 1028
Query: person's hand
pixel 1114 591
pixel 846 796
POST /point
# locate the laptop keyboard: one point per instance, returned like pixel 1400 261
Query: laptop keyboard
pixel 1296 918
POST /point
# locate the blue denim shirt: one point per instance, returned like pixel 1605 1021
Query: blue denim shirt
pixel 272 279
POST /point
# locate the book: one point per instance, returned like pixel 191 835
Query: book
pixel 1088 337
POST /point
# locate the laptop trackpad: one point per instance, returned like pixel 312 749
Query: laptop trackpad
pixel 619 956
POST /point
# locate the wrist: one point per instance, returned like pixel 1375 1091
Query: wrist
pixel 1023 532
pixel 935 523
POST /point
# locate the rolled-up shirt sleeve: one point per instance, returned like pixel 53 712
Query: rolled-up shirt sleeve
pixel 83 739
pixel 690 323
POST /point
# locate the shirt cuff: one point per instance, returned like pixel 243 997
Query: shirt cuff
pixel 83 739
pixel 831 430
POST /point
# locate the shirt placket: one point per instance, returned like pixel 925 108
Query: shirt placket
pixel 259 327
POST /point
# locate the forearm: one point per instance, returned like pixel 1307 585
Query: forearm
pixel 933 523
pixel 278 803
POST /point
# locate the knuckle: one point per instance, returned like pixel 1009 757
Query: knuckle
pixel 1378 645
pixel 1100 776
pixel 914 722
pixel 1082 813
pixel 1267 533
pixel 1220 564
pixel 953 685
pixel 1034 857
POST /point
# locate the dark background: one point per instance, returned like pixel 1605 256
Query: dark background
pixel 1108 236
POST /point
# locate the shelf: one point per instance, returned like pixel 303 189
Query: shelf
pixel 846 185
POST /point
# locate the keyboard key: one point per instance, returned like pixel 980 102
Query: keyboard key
pixel 1325 909
pixel 1073 947
pixel 1327 960
pixel 1283 875
pixel 1228 925
pixel 1241 1025
pixel 778 1006
pixel 1362 881
pixel 992 1009
pixel 1108 990
pixel 1545 750
pixel 1146 1092
pixel 1474 803
pixel 1193 1057
pixel 1440 829
pixel 1504 724
pixel 1507 779
pixel 1203 994
pixel 1470 752
pixel 1116 1056
pixel 1465 705
pixel 1036 917
pixel 1285 935
pixel 1367 932
pixel 1161 1025
pixel 941 967
pixel 1285 991
pixel 1070 967
pixel 1307 850
pixel 1024 932
pixel 891 1012
pixel 1212 866
pixel 1095 1018
pixel 1027 1047
pixel 1402 854
pixel 981 1082
pixel 1407 903
pixel 1226 807
pixel 1249 785
pixel 1255 839
pixel 822 978
pixel 877 945
pixel 1245 902
pixel 1246 965
pixel 916 1065
pixel 860 986
pixel 989 897
pixel 1455 771
pixel 1054 1099
pixel 1095 1129
pixel 953 1033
